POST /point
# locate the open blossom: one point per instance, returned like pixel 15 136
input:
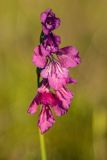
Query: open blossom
pixel 56 71
pixel 46 99
pixel 46 118
pixel 53 65
pixel 49 101
pixel 49 21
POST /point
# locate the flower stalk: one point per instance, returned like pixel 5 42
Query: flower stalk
pixel 42 141
pixel 43 148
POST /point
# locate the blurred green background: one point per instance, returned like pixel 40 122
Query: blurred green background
pixel 82 133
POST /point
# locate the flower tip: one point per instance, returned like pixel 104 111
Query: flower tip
pixel 33 107
pixel 71 80
pixel 49 21
pixel 30 111
pixel 49 9
pixel 45 129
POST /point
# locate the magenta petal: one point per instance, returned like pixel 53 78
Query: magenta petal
pixel 45 30
pixel 44 51
pixel 51 43
pixel 44 86
pixel 69 57
pixel 56 74
pixel 38 59
pixel 71 80
pixel 45 71
pixel 58 77
pixel 57 22
pixel 65 96
pixel 57 39
pixel 59 110
pixel 56 82
pixel 33 107
pixel 46 119
pixel 47 98
pixel 44 15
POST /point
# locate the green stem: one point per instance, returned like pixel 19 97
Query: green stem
pixel 42 141
pixel 42 144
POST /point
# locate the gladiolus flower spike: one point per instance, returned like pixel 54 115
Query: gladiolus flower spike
pixel 53 65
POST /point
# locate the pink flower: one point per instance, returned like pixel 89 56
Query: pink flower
pixel 59 102
pixel 33 106
pixel 49 21
pixel 55 70
pixel 46 118
pixel 39 56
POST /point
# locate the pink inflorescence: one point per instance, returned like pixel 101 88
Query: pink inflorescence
pixel 53 64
